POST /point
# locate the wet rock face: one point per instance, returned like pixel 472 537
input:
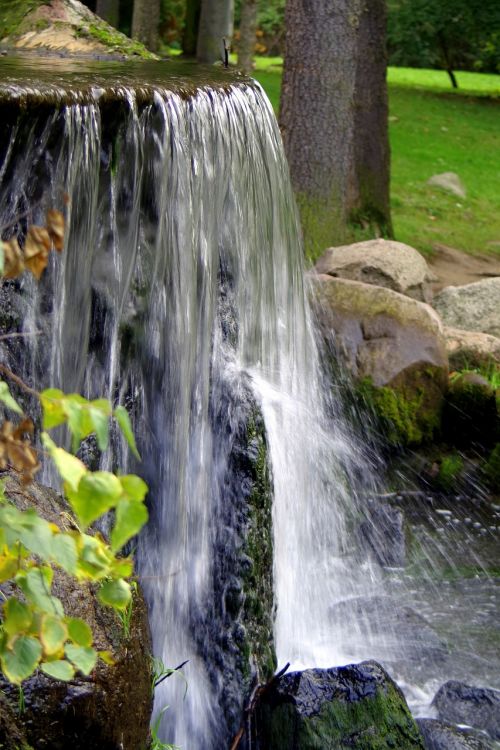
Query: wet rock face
pixel 382 533
pixel 438 735
pixel 464 704
pixel 357 707
pixel 111 708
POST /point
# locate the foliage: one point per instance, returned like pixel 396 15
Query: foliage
pixel 35 631
pixel 449 472
pixel 463 34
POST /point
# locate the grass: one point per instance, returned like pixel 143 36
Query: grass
pixel 434 129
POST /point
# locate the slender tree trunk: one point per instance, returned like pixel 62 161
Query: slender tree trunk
pixel 329 132
pixel 248 27
pixel 216 22
pixel 191 24
pixel 447 59
pixel 108 10
pixel 145 22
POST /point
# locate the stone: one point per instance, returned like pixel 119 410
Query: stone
pixel 382 263
pixel 450 182
pixel 109 709
pixel 471 349
pixel 470 413
pixel 439 735
pixel 383 338
pixel 472 307
pixel 382 532
pixel 464 704
pixel 357 707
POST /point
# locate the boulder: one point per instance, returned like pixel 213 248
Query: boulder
pixel 470 411
pixel 357 707
pixel 438 735
pixel 450 182
pixel 394 346
pixel 382 532
pixel 471 349
pixel 111 708
pixel 464 704
pixel 382 263
pixel 473 307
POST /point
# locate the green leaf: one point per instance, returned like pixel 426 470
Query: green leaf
pixel 19 662
pixel 94 560
pixel 17 617
pixel 79 632
pixel 115 594
pixel 100 423
pixel 52 406
pixel 122 567
pixel 107 657
pixel 134 488
pixel 35 585
pixel 97 493
pixel 84 658
pixel 7 399
pixel 59 669
pixel 129 520
pixel 35 533
pixel 53 634
pixel 123 419
pixel 79 421
pixel 64 552
pixel 69 467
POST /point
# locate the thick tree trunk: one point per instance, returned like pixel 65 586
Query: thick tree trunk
pixel 191 24
pixel 248 27
pixel 108 10
pixel 335 141
pixel 145 22
pixel 216 23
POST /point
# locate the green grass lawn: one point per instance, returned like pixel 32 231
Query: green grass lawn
pixel 435 129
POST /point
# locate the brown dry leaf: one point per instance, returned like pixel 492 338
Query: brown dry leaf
pixel 36 250
pixel 17 452
pixel 13 259
pixel 55 227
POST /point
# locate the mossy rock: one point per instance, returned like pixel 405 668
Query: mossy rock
pixel 492 469
pixel 357 707
pixel 470 415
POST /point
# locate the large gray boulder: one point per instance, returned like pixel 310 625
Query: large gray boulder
pixel 111 708
pixel 471 349
pixel 380 333
pixel 382 263
pixel 439 735
pixel 473 307
pixel 357 707
pixel 465 704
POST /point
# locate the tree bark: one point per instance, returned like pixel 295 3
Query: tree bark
pixel 191 24
pixel 333 116
pixel 108 10
pixel 216 22
pixel 145 22
pixel 248 27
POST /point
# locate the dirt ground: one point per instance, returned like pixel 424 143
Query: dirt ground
pixel 454 268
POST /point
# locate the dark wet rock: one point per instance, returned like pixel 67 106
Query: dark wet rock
pixel 383 533
pixel 438 735
pixel 108 710
pixel 470 412
pixel 464 704
pixel 357 707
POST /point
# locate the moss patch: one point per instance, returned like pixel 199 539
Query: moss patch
pixel 13 13
pixel 114 40
pixel 492 469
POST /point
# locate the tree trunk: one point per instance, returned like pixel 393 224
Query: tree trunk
pixel 335 139
pixel 109 11
pixel 248 27
pixel 145 22
pixel 216 23
pixel 191 24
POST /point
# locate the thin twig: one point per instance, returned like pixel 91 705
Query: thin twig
pixel 5 370
pixel 19 335
pixel 169 674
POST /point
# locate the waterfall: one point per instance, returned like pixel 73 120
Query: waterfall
pixel 181 293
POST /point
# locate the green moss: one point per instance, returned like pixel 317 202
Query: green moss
pixel 379 722
pixel 492 469
pixel 450 471
pixel 115 40
pixel 257 617
pixel 402 415
pixel 12 14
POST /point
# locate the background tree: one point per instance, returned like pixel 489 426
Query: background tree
pixel 333 116
pixel 191 25
pixel 248 27
pixel 145 22
pixel 109 10
pixel 216 22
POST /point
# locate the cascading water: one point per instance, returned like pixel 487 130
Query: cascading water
pixel 181 292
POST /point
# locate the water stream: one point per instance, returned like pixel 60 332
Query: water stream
pixel 181 292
